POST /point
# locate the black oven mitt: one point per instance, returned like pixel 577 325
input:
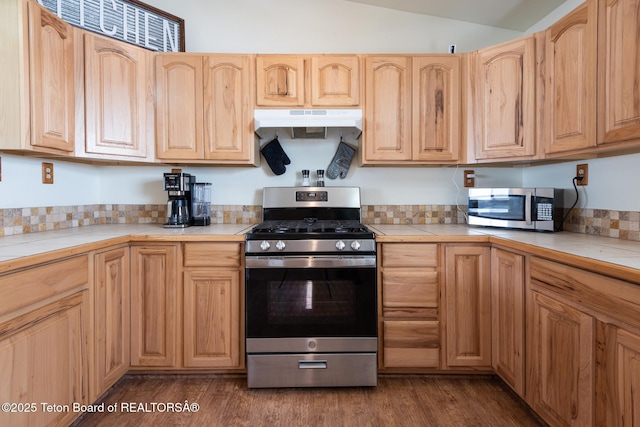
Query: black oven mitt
pixel 341 161
pixel 275 156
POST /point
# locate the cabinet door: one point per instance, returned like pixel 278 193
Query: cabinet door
pixel 436 108
pixel 560 361
pixel 618 71
pixel 211 318
pixel 111 318
pixel 51 80
pixel 570 99
pixel 505 105
pixel 118 98
pixel 468 306
pixel 45 362
pixel 627 378
pixel 179 108
pixel 228 112
pixel 335 80
pixel 280 80
pixel 154 305
pixel 387 134
pixel 507 317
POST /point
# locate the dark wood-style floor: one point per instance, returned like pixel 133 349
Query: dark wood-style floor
pixel 402 400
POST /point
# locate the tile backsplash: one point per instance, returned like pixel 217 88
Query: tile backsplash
pixel 608 223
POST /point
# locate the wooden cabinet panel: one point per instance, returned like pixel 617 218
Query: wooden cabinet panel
pixel 335 80
pixel 626 379
pixel 212 254
pixel 436 108
pixel 111 318
pixel 44 360
pixel 212 318
pixel 560 360
pixel 228 109
pixel 51 58
pixel 618 71
pixel 280 80
pixel 468 305
pixel 410 293
pixel 570 98
pixel 387 128
pixel 119 98
pixel 505 100
pixel 154 305
pixel 179 118
pixel 411 344
pixel 507 317
pixel 410 255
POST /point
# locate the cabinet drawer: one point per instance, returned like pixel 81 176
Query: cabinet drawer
pixel 612 299
pixel 26 287
pixel 411 344
pixel 214 254
pixel 410 293
pixel 409 255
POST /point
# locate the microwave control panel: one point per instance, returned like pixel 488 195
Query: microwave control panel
pixel 544 209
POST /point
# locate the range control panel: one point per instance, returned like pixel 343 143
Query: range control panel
pixel 312 196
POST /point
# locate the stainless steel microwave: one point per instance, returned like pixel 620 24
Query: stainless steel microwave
pixel 525 208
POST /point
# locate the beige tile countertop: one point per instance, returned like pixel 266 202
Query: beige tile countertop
pixel 607 255
pixel 16 250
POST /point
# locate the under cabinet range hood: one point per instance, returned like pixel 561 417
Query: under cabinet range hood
pixel 307 123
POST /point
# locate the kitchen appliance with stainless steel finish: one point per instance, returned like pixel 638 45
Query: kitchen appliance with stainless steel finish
pixel 537 209
pixel 311 291
pixel 179 187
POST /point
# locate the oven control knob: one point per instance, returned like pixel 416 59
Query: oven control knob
pixel 280 245
pixel 355 245
pixel 265 245
pixel 340 245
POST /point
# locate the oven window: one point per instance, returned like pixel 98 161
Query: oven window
pixel 312 302
pixel 511 207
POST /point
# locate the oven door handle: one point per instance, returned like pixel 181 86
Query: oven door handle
pixel 318 261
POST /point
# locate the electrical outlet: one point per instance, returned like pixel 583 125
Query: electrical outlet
pixel 582 171
pixel 469 178
pixel 0 168
pixel 47 173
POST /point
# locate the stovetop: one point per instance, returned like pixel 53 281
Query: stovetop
pixel 310 225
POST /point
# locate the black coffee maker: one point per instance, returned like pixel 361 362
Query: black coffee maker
pixel 180 187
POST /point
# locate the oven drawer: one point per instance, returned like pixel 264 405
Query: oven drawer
pixel 311 370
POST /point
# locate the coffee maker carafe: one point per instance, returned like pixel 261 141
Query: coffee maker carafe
pixel 179 187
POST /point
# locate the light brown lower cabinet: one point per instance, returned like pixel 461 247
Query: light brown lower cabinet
pixel 211 318
pixel 467 296
pixel 111 318
pixel 409 307
pixel 623 376
pixel 154 305
pixel 43 364
pixel 561 362
pixel 507 317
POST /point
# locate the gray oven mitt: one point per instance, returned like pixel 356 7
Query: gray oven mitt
pixel 275 156
pixel 341 161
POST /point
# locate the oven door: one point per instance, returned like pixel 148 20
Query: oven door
pixel 310 297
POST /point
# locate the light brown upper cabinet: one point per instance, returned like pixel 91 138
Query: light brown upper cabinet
pixel 570 74
pixel 307 81
pixel 412 109
pixel 36 80
pixel 504 101
pixel 204 110
pixel 118 99
pixel 618 71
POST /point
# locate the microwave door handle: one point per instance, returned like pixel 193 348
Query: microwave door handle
pixel 527 207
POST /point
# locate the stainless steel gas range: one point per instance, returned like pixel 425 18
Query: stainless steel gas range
pixel 311 293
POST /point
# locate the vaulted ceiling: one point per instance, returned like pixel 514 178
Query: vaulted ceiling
pixel 518 15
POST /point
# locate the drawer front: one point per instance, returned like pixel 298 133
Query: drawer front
pixel 410 293
pixel 29 286
pixel 410 255
pixel 604 297
pixel 214 254
pixel 411 344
